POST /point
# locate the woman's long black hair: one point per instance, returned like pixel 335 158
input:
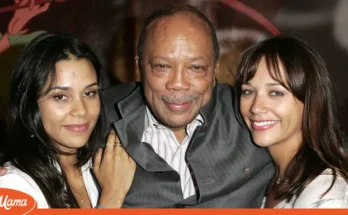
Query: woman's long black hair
pixel 29 147
pixel 307 78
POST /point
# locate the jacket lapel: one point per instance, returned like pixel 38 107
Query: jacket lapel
pixel 130 129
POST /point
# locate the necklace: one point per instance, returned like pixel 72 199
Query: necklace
pixel 82 189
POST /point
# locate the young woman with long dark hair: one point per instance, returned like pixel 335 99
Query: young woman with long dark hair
pixel 287 101
pixel 56 126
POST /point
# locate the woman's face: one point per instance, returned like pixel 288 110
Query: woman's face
pixel 71 107
pixel 272 113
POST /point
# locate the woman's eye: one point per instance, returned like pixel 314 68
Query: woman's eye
pixel 59 97
pixel 91 93
pixel 247 92
pixel 276 93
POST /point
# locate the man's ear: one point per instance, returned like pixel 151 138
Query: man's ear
pixel 217 64
pixel 137 61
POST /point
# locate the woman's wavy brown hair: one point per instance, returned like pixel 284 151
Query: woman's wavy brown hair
pixel 307 78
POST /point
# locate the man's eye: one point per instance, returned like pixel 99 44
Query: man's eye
pixel 198 68
pixel 161 67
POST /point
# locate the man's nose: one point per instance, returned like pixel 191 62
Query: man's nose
pixel 178 80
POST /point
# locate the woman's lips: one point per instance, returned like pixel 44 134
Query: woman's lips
pixel 77 128
pixel 263 125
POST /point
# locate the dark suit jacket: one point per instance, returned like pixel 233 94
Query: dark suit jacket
pixel 227 169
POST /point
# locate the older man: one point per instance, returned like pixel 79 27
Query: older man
pixel 180 126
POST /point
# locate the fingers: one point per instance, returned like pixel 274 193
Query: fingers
pixel 119 152
pixel 131 162
pixel 97 159
pixel 118 146
pixel 110 142
pixel 113 149
pixel 130 159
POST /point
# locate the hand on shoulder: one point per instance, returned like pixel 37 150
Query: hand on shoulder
pixel 114 170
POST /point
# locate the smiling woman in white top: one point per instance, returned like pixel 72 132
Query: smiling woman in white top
pixel 287 102
pixel 56 126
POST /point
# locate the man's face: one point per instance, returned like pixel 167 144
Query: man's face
pixel 178 70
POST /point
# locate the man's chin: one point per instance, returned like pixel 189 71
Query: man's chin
pixel 177 124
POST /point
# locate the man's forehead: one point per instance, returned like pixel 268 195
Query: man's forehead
pixel 177 21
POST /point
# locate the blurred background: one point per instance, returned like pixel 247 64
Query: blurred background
pixel 111 28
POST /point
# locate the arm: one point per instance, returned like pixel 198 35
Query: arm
pixel 114 170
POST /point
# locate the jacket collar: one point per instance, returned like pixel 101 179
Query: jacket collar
pixel 207 111
pixel 130 129
pixel 132 102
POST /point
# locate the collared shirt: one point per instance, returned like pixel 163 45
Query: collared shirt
pixel 165 144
